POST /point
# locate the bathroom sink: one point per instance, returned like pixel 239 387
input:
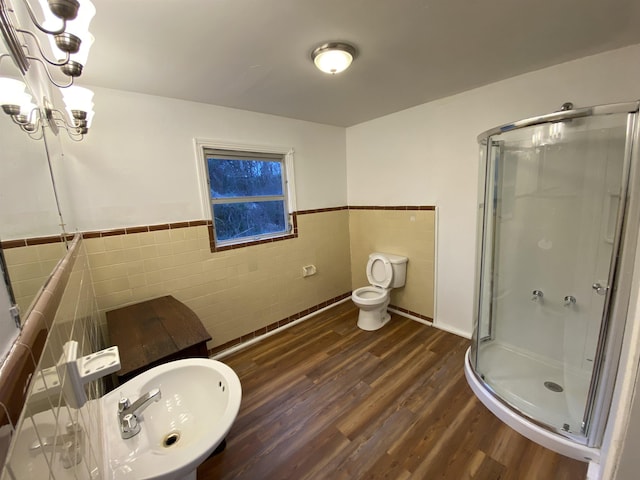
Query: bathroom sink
pixel 200 399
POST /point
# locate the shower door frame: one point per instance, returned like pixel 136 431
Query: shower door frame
pixel 487 199
pixel 609 345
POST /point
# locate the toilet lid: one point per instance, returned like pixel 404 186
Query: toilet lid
pixel 379 271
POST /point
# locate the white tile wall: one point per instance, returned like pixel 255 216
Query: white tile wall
pixel 47 416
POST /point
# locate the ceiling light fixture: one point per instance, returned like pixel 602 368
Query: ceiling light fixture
pixel 333 57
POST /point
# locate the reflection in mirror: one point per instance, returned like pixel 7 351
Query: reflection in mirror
pixel 47 415
pixel 9 326
pixel 51 295
pixel 30 221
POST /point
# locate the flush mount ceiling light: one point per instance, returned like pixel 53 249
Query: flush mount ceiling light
pixel 333 57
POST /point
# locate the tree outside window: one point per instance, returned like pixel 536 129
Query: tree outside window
pixel 248 195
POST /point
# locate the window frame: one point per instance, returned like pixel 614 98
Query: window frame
pixel 205 148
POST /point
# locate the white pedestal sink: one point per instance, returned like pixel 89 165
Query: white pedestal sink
pixel 199 403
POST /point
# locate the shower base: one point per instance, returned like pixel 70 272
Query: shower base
pixel 541 389
pixel 554 405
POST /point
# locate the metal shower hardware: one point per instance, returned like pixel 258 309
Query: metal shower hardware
pixel 600 289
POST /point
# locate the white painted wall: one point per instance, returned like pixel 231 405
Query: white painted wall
pixel 137 165
pixel 27 202
pixel 428 155
pixel 629 463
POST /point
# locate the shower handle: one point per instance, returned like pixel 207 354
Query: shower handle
pixel 600 289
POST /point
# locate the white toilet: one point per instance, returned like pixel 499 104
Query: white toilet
pixel 384 271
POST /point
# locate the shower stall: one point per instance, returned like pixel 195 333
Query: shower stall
pixel 557 233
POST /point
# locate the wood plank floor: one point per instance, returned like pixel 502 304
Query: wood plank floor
pixel 324 399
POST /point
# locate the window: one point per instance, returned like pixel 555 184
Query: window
pixel 248 195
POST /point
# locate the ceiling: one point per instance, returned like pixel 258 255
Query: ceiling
pixel 255 54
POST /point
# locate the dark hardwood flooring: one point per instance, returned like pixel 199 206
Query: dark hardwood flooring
pixel 324 399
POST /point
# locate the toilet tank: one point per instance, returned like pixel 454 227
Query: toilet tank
pixel 399 266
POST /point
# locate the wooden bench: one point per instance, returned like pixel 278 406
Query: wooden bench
pixel 155 332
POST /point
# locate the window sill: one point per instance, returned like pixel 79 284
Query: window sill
pixel 221 248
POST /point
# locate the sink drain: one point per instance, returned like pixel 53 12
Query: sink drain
pixel 553 386
pixel 171 439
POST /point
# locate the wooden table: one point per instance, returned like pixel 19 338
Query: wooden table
pixel 155 332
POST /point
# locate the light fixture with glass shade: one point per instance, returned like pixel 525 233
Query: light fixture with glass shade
pixel 333 57
pixel 79 103
pixel 19 106
pixel 12 94
pixel 78 28
pixel 66 25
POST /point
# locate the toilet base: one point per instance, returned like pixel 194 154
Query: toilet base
pixel 371 320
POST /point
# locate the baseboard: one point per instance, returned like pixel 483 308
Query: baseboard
pixel 450 329
pixel 410 316
pixel 258 338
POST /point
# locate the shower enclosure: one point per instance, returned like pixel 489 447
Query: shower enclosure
pixel 557 229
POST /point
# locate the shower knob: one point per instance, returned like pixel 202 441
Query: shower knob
pixel 537 295
pixel 569 300
pixel 600 289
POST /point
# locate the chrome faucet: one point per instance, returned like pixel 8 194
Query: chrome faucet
pixel 128 413
pixel 69 444
pixel 537 295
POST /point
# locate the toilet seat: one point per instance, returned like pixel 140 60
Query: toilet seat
pixel 370 295
pixel 379 271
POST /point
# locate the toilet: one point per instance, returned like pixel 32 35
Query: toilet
pixel 384 271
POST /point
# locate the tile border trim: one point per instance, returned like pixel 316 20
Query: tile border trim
pixel 413 314
pixel 322 210
pixel 144 229
pixel 367 207
pixel 397 207
pixel 25 242
pixel 28 242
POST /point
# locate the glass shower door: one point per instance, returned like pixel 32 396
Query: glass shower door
pixel 549 225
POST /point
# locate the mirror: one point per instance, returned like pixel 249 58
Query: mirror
pixel 8 326
pixel 31 246
pixel 30 221
pixel 32 233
